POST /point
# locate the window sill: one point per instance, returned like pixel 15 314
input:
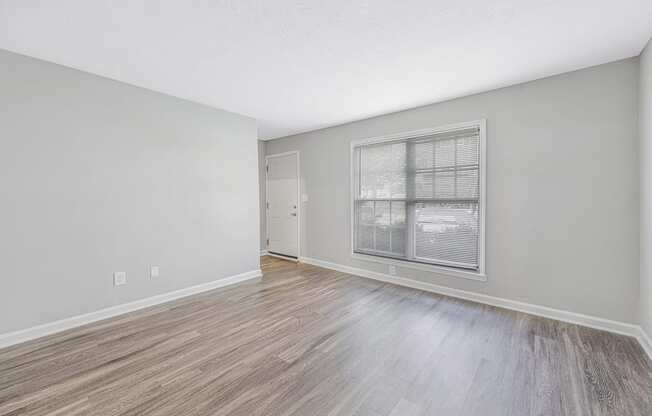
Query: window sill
pixel 447 271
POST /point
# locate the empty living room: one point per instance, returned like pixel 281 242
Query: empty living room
pixel 326 208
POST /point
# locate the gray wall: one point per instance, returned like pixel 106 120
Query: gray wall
pixel 645 132
pixel 98 176
pixel 562 184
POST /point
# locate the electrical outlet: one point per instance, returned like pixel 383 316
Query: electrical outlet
pixel 392 270
pixel 154 271
pixel 119 278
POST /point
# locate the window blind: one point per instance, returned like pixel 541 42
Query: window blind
pixel 418 198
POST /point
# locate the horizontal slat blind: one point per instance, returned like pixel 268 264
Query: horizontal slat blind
pixel 419 198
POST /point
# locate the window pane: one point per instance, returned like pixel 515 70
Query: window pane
pixel 382 213
pixel 468 186
pixel 399 229
pixel 382 238
pixel 383 171
pixel 444 153
pixel 423 184
pixel 365 237
pixel 365 225
pixel 398 185
pixel 398 213
pixel 366 212
pixel 447 233
pixel 398 240
pixel 467 151
pixel 445 185
pixel 424 155
pixel 381 227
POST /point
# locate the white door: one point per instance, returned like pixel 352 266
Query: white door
pixel 283 204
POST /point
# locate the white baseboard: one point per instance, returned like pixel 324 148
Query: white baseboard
pixel 543 311
pixel 645 341
pixel 28 334
pixel 263 253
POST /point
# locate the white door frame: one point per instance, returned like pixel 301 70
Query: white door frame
pixel 267 157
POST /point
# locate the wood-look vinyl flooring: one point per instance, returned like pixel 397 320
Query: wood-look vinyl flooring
pixel 309 341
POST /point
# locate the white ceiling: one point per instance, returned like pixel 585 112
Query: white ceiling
pixel 300 65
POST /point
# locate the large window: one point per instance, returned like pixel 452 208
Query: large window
pixel 418 197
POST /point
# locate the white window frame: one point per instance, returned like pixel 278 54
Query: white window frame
pixel 478 275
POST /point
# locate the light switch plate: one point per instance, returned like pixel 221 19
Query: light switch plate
pixel 154 271
pixel 304 198
pixel 119 278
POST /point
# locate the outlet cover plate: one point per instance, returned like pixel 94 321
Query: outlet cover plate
pixel 119 278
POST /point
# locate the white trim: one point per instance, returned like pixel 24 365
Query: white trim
pixel 617 327
pixel 645 341
pixel 299 206
pixel 483 194
pixel 481 124
pixel 418 133
pixel 263 253
pixel 39 331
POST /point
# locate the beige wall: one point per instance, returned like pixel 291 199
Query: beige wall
pixel 562 183
pixel 97 176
